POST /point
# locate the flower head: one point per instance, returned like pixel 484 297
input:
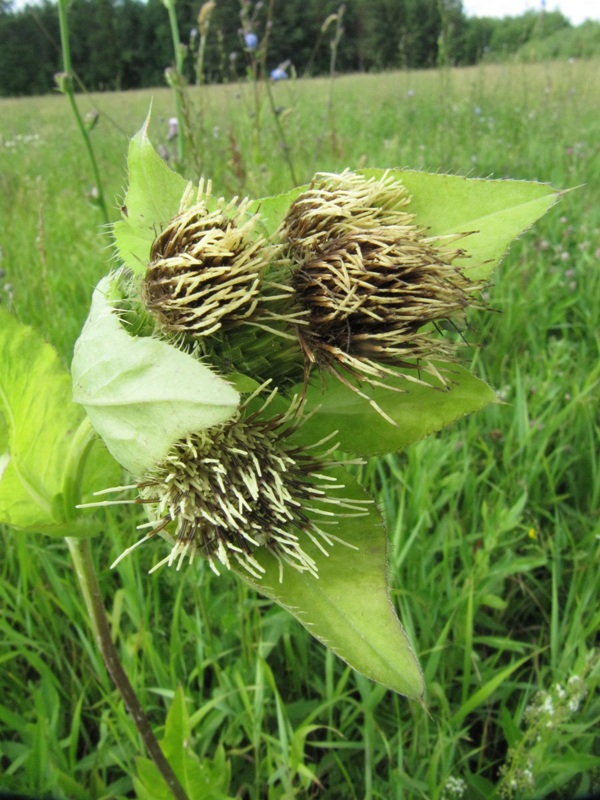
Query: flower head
pixel 369 294
pixel 278 74
pixel 250 40
pixel 454 787
pixel 337 205
pixel 243 485
pixel 205 270
pixel 372 283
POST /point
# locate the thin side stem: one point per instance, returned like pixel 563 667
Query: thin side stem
pixel 201 53
pixel 178 52
pixel 66 86
pixel 81 554
pixel 282 137
pixel 339 30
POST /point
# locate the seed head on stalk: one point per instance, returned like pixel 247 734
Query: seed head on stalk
pixel 243 485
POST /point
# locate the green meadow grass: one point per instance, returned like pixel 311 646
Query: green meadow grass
pixel 493 524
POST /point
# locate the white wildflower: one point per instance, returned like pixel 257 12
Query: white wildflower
pixel 455 786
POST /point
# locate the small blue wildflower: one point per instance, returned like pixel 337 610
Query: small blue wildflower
pixel 251 40
pixel 278 74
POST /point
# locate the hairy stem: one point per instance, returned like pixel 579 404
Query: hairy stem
pixel 81 554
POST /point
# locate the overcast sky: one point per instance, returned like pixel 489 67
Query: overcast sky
pixel 575 10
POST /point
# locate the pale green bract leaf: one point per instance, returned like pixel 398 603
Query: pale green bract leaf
pixel 154 195
pixel 348 607
pixel 418 409
pixel 140 393
pixel 273 209
pixel 38 430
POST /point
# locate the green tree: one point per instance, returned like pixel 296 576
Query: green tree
pixel 29 54
pixel 94 43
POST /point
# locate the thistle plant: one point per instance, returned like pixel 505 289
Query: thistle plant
pixel 236 351
pixel 222 307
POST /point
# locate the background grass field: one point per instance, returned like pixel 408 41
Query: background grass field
pixel 494 527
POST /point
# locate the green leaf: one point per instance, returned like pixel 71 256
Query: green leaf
pixel 40 427
pixel 418 410
pixel 496 211
pixel 273 209
pixel 153 197
pixel 203 779
pixel 142 394
pixel 484 692
pixel 348 607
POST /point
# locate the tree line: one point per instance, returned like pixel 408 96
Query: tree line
pixel 127 44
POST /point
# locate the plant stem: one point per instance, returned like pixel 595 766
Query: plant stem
pixel 339 30
pixel 81 553
pixel 178 52
pixel 201 52
pixel 66 86
pixel 74 465
pixel 282 137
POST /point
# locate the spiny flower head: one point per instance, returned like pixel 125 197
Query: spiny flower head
pixel 368 295
pixel 206 269
pixel 242 485
pixel 204 16
pixel 370 281
pixel 336 205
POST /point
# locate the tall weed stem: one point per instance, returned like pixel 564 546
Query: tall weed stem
pixel 287 153
pixel 65 85
pixel 81 553
pixel 339 31
pixel 203 26
pixel 178 79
